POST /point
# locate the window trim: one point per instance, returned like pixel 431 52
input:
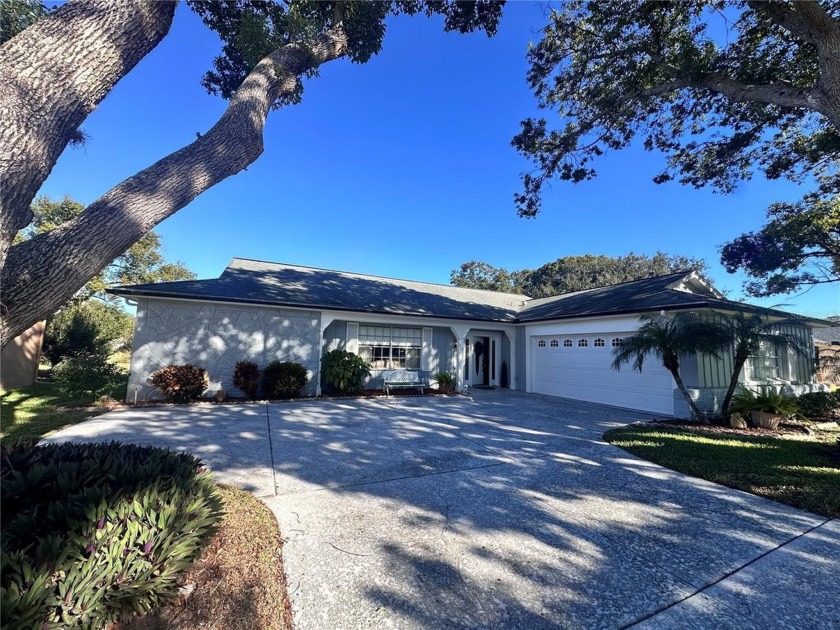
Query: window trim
pixel 403 351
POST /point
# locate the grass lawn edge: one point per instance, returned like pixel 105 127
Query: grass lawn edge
pixel 798 473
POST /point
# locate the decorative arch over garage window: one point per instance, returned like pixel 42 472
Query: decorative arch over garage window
pixel 541 343
pixel 583 343
pixel 617 342
pixel 599 343
pixel 567 343
pixel 554 343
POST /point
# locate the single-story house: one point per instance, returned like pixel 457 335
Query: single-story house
pixel 560 346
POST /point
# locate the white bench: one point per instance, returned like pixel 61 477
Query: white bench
pixel 398 379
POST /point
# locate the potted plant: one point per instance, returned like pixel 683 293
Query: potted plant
pixel 766 409
pixel 445 382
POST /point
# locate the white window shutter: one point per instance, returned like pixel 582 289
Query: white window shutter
pixel 352 343
pixel 426 356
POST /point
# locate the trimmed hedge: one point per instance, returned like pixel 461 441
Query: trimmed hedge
pixel 284 379
pixel 93 533
pixel 181 383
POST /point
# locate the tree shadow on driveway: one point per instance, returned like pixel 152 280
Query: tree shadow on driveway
pixel 507 510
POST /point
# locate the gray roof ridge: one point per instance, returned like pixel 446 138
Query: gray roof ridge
pixel 522 296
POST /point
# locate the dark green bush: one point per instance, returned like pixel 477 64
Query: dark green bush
pixel 181 383
pixel 92 533
pixel 284 379
pixel 819 405
pixel 246 378
pixel 87 376
pixel 90 327
pixel 344 371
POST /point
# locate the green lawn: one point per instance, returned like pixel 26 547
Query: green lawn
pixel 804 474
pixel 31 411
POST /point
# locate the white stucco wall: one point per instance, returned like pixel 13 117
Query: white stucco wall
pixel 215 337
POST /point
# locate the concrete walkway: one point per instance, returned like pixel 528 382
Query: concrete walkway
pixel 504 511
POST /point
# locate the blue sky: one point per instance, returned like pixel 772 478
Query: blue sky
pixel 402 167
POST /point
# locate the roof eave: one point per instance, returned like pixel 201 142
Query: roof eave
pixel 313 307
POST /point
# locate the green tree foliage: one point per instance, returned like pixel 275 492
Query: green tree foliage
pixel 91 327
pixel 669 338
pixel 251 29
pixel 724 89
pixel 798 247
pixel 142 263
pixel 571 273
pixel 481 275
pixel 16 15
pixel 721 88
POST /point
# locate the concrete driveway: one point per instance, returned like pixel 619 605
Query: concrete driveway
pixel 503 511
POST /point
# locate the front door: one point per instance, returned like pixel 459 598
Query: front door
pixel 483 358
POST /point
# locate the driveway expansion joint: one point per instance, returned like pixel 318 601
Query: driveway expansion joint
pixel 727 575
pixel 271 449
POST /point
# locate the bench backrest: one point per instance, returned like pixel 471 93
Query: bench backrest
pixel 401 376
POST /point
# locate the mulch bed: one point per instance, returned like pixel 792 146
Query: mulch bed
pixel 783 430
pixel 238 582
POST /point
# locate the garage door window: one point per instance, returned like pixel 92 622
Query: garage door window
pixel 617 342
pixel 567 343
pixel 599 343
pixel 541 343
pixel 554 343
pixel 583 343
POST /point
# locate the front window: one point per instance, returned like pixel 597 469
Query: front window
pixel 765 365
pixel 389 347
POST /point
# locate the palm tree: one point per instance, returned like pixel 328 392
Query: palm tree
pixel 669 338
pixel 748 333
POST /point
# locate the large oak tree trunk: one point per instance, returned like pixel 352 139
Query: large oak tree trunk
pixel 53 75
pixel 43 273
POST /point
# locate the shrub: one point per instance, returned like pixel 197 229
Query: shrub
pixel 93 533
pixel 445 381
pixel 87 376
pixel 284 379
pixel 91 327
pixel 246 378
pixel 747 400
pixel 181 383
pixel 344 371
pixel 818 405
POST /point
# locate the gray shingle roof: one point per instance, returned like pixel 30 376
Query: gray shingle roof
pixel 260 282
pixel 277 284
pixel 827 335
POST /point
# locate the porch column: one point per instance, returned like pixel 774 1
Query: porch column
pixel 326 320
pixel 511 335
pixel 460 333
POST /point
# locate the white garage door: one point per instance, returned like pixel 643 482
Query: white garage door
pixel 578 367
